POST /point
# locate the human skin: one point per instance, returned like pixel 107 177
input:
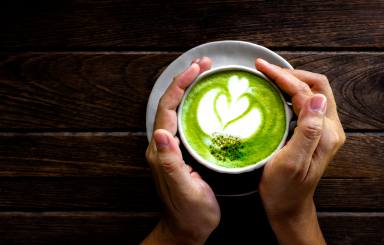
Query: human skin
pixel 192 211
pixel 288 181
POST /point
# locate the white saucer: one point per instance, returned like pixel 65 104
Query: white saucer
pixel 222 53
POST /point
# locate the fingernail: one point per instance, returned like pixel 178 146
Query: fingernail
pixel 196 60
pixel 161 140
pixel 318 103
pixel 264 62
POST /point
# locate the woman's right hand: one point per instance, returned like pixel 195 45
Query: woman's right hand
pixel 191 208
pixel 289 180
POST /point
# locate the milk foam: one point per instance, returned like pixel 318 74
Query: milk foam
pixel 228 117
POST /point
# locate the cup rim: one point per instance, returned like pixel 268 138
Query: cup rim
pixel 213 166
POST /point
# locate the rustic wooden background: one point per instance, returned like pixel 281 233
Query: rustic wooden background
pixel 75 77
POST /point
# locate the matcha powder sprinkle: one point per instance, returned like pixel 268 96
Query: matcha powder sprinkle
pixel 226 147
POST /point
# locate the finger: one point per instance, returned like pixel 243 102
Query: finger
pixel 177 140
pixel 195 175
pixel 284 79
pixel 314 80
pixel 319 84
pixel 172 96
pixel 169 159
pixel 166 111
pixel 298 90
pixel 205 64
pixel 189 168
pixel 331 140
pixel 300 148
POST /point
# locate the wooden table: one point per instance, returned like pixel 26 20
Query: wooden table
pixel 75 77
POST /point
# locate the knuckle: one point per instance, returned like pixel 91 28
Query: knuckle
pixel 343 138
pixel 338 140
pixel 291 167
pixel 334 141
pixel 323 78
pixel 295 169
pixel 177 139
pixel 168 165
pixel 332 144
pixel 312 131
pixel 286 76
pixel 305 88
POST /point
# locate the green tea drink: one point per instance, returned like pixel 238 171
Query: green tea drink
pixel 233 118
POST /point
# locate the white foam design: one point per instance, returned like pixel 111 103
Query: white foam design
pixel 228 110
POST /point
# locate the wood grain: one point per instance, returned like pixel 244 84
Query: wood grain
pixel 361 157
pixel 122 154
pixel 145 24
pixel 348 194
pixel 75 227
pixel 72 166
pixel 76 90
pixel 109 91
pixel 108 171
pixel 357 80
pixel 85 194
pixel 73 154
pixel 131 228
pixel 139 194
pixel 339 228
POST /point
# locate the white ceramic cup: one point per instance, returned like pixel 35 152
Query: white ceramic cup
pixel 213 166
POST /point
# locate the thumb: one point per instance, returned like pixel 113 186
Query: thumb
pixel 169 158
pixel 305 139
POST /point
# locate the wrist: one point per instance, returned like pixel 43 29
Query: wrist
pixel 297 226
pixel 292 214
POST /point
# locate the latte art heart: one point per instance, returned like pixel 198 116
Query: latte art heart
pixel 228 111
pixel 233 118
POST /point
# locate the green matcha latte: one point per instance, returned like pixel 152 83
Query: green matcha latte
pixel 233 118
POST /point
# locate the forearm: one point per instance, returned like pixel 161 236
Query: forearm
pixel 298 228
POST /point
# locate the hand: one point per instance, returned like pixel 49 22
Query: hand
pixel 289 180
pixel 192 211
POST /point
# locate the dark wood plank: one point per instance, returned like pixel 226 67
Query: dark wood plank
pixel 131 228
pixel 85 194
pixel 77 90
pixel 73 154
pixel 357 80
pixel 109 91
pixel 146 24
pixel 75 227
pixel 122 154
pixel 350 194
pixel 352 228
pixel 139 194
pixel 361 157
